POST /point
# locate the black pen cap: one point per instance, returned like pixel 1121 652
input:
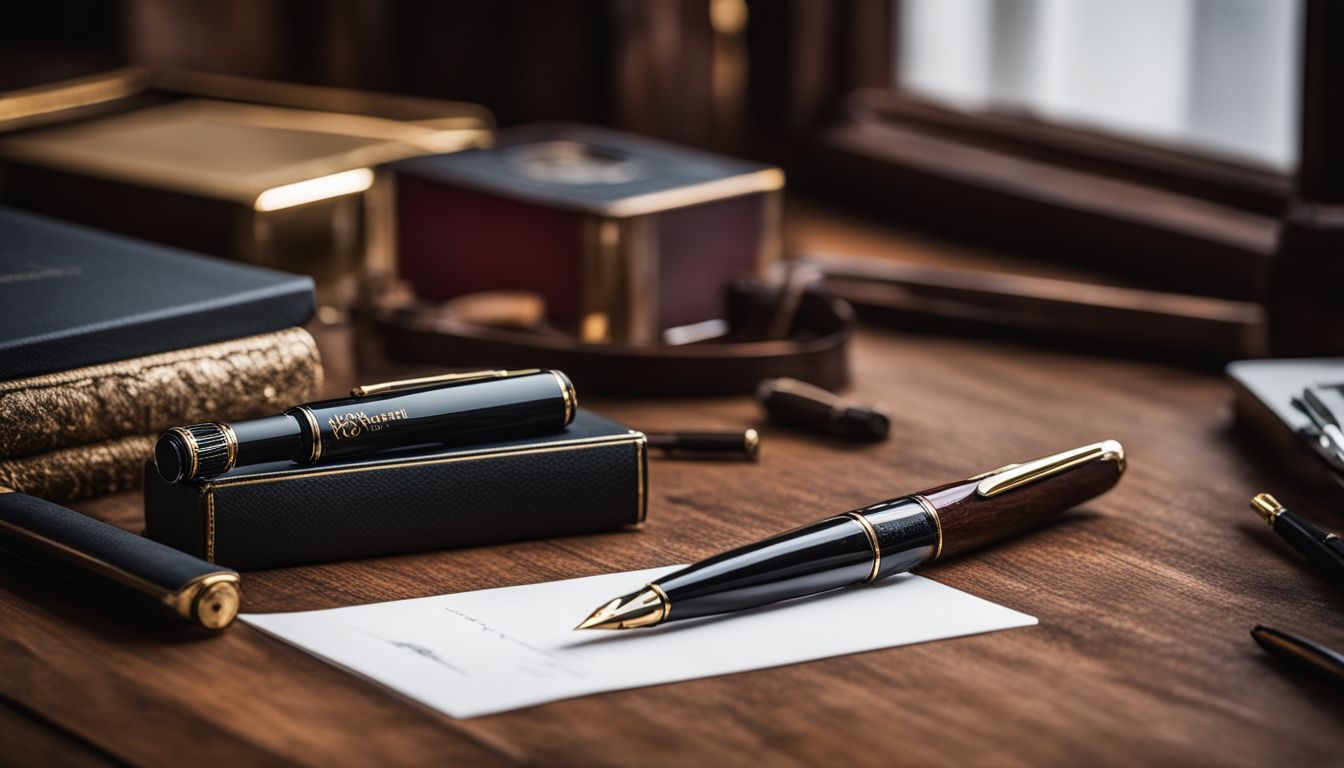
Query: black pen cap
pixel 186 453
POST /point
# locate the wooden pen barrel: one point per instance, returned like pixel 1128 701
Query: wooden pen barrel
pixel 970 519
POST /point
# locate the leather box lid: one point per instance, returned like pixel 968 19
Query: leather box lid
pixel 72 296
pixel 597 171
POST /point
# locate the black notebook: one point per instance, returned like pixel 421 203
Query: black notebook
pixel 590 477
pixel 72 296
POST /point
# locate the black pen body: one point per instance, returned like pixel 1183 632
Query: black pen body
pixel 1323 550
pixel 135 571
pixel 485 409
pixel 471 412
pixel 863 545
pixel 874 542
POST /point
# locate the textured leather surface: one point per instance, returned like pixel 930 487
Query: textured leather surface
pixel 150 560
pixel 72 297
pixel 175 513
pixel 407 503
pixel 111 466
pixel 236 379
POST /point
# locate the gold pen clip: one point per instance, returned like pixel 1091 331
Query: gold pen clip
pixel 1013 476
pixel 424 381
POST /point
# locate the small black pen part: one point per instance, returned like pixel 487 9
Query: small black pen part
pixel 710 445
pixel 1304 654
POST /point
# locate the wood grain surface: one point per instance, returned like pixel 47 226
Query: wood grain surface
pixel 968 521
pixel 1145 598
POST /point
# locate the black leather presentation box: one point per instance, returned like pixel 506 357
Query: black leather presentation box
pixel 71 296
pixel 591 477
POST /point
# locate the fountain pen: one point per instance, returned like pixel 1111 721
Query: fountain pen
pixel 874 542
pixel 454 408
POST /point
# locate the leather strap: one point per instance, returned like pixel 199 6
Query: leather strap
pixel 816 349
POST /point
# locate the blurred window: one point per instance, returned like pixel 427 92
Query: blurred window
pixel 1219 77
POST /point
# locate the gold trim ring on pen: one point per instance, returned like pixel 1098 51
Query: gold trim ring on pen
pixel 937 522
pixel 317 434
pixel 567 394
pixel 189 442
pixel 232 441
pixel 871 533
pixel 666 601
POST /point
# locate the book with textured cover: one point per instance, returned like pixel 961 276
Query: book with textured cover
pixel 589 478
pixel 96 469
pixel 72 297
pixel 237 379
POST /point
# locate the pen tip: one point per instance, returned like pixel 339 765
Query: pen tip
pixel 638 609
pixel 592 622
pixel 597 618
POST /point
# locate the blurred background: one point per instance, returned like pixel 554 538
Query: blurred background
pixel 1034 168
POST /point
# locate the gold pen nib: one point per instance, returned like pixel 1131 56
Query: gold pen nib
pixel 644 608
pixel 1268 507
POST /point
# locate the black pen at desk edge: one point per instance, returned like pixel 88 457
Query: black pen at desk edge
pixel 1300 652
pixel 115 562
pixel 1321 548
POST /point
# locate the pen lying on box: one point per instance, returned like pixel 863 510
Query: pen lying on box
pixel 116 562
pixel 453 408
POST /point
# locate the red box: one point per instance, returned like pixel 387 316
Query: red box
pixel 624 237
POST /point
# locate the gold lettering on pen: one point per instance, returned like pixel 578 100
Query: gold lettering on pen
pixel 352 424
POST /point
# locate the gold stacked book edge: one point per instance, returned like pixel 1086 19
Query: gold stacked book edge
pixel 88 431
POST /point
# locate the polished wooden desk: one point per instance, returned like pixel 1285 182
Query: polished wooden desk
pixel 1145 599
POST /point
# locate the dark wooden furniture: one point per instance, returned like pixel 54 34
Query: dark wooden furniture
pixel 809 85
pixel 1145 596
pixel 1174 220
pixel 1306 315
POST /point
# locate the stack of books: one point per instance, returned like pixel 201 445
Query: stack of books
pixel 107 341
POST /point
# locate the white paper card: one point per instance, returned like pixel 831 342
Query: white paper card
pixel 478 653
